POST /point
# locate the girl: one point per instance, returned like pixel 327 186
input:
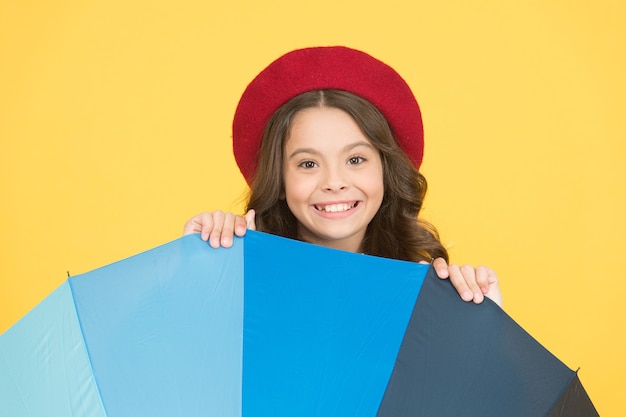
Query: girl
pixel 330 141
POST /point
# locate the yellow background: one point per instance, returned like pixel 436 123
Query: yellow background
pixel 115 128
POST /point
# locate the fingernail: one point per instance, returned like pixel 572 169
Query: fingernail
pixel 226 242
pixel 478 298
pixel 467 296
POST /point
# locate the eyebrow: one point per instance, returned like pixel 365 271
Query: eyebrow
pixel 316 152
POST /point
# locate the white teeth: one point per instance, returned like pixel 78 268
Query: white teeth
pixel 335 208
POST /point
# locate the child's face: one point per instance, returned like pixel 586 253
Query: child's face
pixel 333 178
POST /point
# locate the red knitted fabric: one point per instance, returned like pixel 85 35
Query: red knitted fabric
pixel 320 68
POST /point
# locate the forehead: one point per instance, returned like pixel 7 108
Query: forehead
pixel 317 125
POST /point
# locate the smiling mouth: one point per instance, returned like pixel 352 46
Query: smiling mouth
pixel 336 208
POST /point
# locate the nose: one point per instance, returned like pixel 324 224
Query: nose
pixel 334 180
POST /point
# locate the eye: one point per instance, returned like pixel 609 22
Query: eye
pixel 307 164
pixel 355 160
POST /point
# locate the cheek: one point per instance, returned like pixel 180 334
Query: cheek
pixel 376 183
pixel 295 189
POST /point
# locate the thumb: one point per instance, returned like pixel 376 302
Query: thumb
pixel 250 219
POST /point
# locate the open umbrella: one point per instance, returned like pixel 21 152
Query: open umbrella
pixel 274 327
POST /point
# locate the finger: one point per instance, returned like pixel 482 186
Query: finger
pixel 205 221
pixel 190 227
pixel 483 275
pixel 441 268
pixel 469 274
pixel 250 219
pixel 193 225
pixel 458 281
pixel 215 232
pixel 228 230
pixel 240 226
pixel 494 293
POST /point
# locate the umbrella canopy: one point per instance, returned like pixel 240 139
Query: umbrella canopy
pixel 274 327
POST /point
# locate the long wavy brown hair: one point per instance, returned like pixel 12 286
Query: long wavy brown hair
pixel 395 231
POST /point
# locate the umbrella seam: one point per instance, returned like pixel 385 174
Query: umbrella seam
pixel 563 392
pixel 87 352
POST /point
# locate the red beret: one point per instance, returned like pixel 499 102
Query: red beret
pixel 320 68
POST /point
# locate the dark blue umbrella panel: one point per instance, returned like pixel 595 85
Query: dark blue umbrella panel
pixel 274 327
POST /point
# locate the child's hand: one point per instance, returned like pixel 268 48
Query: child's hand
pixel 219 228
pixel 473 284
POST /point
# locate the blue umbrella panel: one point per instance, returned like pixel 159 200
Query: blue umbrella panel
pixel 274 327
